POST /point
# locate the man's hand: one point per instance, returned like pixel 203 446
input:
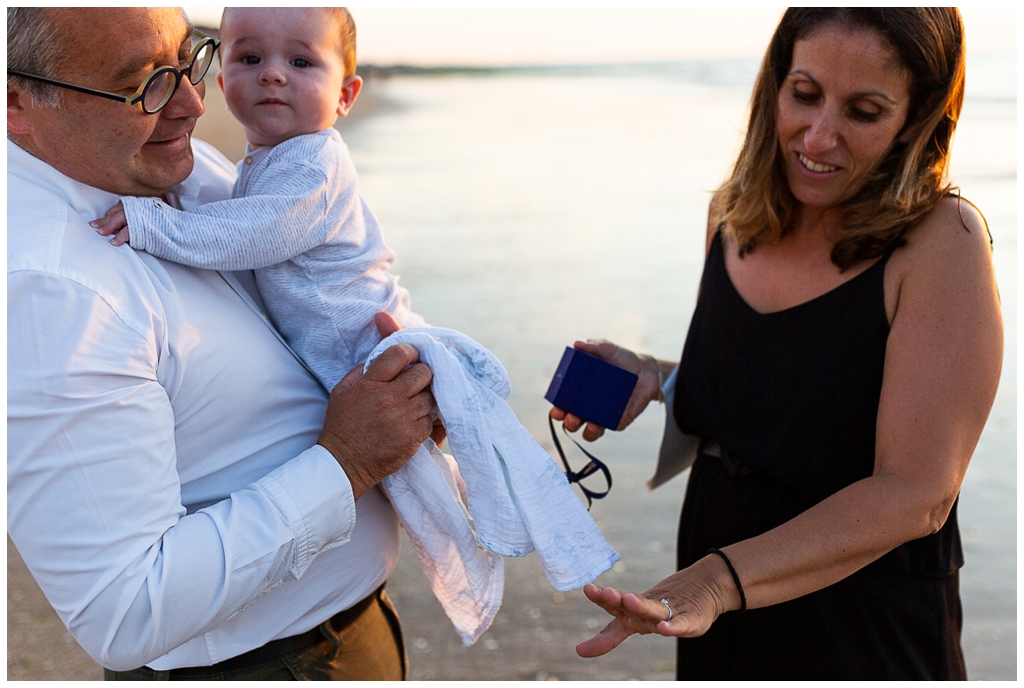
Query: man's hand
pixel 377 420
pixel 387 326
pixel 113 222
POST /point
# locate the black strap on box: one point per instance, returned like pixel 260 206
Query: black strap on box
pixel 577 477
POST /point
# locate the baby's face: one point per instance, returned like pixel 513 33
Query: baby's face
pixel 282 72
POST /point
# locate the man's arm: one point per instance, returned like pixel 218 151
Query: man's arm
pixel 94 494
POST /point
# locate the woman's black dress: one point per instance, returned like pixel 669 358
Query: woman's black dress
pixel 792 399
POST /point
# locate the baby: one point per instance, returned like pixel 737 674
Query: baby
pixel 295 216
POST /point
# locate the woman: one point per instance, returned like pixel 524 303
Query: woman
pixel 841 363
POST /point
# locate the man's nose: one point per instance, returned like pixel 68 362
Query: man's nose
pixel 187 101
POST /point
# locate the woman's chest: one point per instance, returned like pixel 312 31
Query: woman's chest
pixel 772 279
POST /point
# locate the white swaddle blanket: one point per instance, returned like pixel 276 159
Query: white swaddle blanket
pixel 518 499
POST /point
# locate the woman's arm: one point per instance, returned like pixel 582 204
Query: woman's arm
pixel 943 360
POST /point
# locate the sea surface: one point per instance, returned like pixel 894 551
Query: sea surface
pixel 530 208
pixel 533 207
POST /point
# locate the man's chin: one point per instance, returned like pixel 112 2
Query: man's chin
pixel 166 164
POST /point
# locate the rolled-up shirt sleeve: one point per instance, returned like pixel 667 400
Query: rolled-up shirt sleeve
pixel 94 493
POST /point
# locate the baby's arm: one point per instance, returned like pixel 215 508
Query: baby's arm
pixel 237 234
pixel 113 222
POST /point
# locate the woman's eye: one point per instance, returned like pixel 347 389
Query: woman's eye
pixel 250 60
pixel 863 115
pixel 300 62
pixel 805 97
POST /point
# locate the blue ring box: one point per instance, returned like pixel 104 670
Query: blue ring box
pixel 593 389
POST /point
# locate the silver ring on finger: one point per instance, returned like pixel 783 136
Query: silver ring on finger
pixel 670 614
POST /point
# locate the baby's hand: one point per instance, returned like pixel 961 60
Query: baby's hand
pixel 113 222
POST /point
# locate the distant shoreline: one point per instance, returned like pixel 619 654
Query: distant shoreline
pixel 384 71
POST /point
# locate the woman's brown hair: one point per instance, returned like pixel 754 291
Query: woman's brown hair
pixel 757 205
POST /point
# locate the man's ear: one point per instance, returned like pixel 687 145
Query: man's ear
pixel 19 106
pixel 349 92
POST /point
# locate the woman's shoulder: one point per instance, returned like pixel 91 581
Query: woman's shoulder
pixel 947 256
pixel 953 216
pixel 953 231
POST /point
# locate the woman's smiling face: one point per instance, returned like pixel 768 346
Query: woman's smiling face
pixel 841 107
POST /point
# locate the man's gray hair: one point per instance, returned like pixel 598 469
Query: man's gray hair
pixel 34 47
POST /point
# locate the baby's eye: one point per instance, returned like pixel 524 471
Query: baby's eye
pixel 250 60
pixel 300 62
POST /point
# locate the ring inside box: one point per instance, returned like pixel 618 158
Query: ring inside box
pixel 593 389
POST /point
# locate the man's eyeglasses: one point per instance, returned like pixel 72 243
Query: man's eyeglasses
pixel 159 87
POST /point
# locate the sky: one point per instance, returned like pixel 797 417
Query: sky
pixel 432 36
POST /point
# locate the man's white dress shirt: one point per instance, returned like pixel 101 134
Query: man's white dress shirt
pixel 163 482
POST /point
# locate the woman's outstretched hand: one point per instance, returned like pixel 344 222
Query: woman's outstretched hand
pixel 697 595
pixel 647 387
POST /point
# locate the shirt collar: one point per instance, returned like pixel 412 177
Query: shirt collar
pixel 185 195
pixel 254 155
pixel 87 201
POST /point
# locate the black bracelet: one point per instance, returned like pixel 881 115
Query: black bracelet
pixel 735 576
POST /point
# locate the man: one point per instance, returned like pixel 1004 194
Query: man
pixel 188 499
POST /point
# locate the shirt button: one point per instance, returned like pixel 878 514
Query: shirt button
pixel 248 160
